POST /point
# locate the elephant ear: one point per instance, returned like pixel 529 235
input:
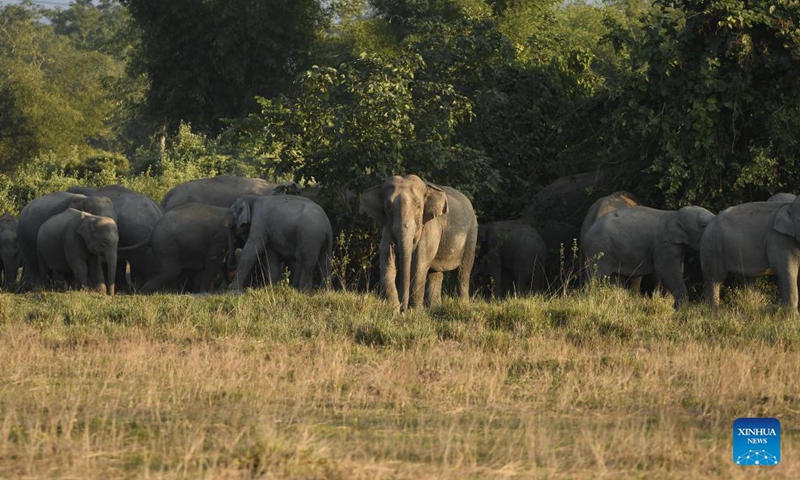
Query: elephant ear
pixel 435 203
pixel 371 203
pixel 85 229
pixel 242 212
pixel 783 220
pixel 675 233
pixel 78 203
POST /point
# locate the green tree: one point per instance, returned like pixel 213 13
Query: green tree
pixel 709 111
pixel 53 96
pixel 208 60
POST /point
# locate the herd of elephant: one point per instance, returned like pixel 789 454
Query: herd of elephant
pixel 91 237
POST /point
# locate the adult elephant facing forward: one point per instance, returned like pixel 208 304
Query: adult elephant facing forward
pixel 640 241
pixel 427 230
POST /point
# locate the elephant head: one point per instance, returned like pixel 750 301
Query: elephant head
pixel 101 206
pixel 9 248
pixel 787 219
pixel 688 225
pixel 241 216
pixel 102 238
pixel 403 206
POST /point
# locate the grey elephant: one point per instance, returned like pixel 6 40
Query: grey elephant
pixel 38 211
pixel 752 240
pixel 10 256
pixel 567 198
pixel 603 206
pixel 137 215
pixel 515 255
pixel 189 240
pixel 74 244
pixel 427 230
pixel 220 191
pixel 639 241
pixel 281 230
pixel 782 197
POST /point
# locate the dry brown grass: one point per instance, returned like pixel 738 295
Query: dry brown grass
pixel 279 385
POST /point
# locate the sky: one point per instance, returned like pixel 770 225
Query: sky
pixel 45 3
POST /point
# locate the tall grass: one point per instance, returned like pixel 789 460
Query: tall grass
pixel 272 383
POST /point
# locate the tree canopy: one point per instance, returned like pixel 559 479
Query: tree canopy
pixel 682 101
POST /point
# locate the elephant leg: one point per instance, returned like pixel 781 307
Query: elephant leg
pixel 419 277
pixel 435 280
pixel 60 282
pixel 80 271
pixel 635 284
pixel 204 280
pixel 673 282
pixel 30 266
pixel 787 283
pixel 712 293
pixel 121 279
pixel 523 281
pixel 251 253
pixel 96 280
pixel 538 276
pixel 389 272
pixel 303 276
pixel 43 272
pixel 274 266
pixel 468 260
pixel 170 272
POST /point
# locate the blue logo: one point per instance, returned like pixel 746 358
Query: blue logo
pixel 757 441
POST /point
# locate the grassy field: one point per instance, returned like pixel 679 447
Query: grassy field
pixel 276 384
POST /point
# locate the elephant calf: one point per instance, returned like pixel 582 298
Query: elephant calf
pixel 281 230
pixel 35 213
pixel 189 239
pixel 515 254
pixel 752 240
pixel 639 241
pixel 74 244
pixel 10 257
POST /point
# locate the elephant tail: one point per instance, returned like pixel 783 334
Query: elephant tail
pixel 132 248
pixel 324 262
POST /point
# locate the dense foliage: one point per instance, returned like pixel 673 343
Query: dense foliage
pixel 682 101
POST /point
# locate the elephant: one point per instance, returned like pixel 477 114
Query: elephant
pixel 281 230
pixel 137 215
pixel 10 257
pixel 75 244
pixel 189 239
pixel 603 206
pixel 567 198
pixel 219 191
pixel 516 255
pixel 782 197
pixel 640 240
pixel 752 240
pixel 427 230
pixel 35 213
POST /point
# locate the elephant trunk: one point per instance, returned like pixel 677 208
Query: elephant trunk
pixel 231 257
pixel 405 250
pixel 111 260
pixel 10 266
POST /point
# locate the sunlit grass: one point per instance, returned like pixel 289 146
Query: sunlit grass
pixel 336 385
